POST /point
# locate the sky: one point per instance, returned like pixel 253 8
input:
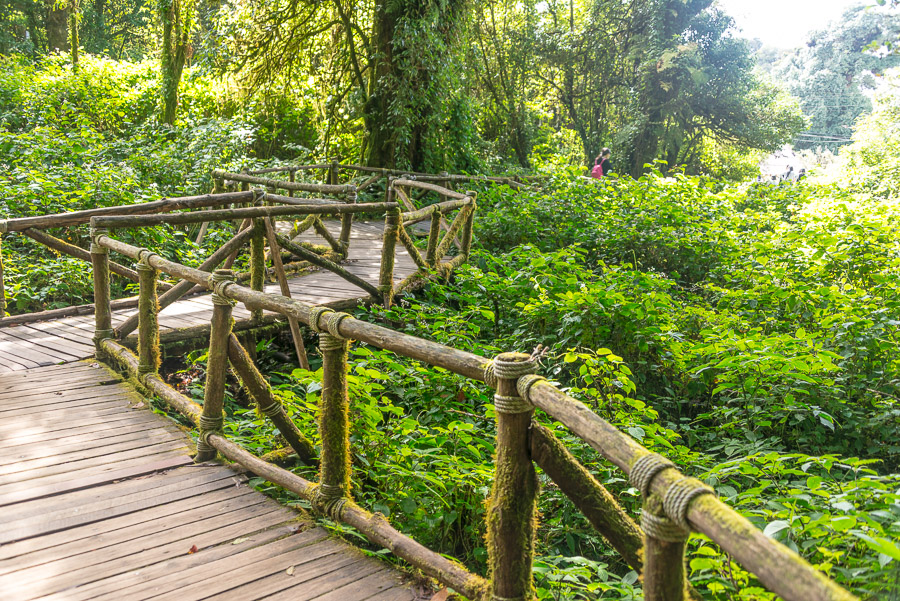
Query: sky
pixel 784 23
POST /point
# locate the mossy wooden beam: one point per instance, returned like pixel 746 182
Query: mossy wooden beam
pixel 418 215
pixel 79 253
pixel 88 309
pixel 279 183
pixel 258 261
pixel 450 237
pixel 334 422
pixel 329 265
pixel 129 221
pixel 148 320
pixel 388 253
pixel 43 222
pixel 664 573
pixel 297 337
pixel 512 506
pixel 2 285
pixel 368 182
pixel 346 226
pixel 434 233
pixel 102 310
pixel 185 287
pixel 588 495
pixel 411 248
pixel 333 242
pixel 213 417
pixel 286 169
pixel 420 185
pixel 467 230
pixel 267 402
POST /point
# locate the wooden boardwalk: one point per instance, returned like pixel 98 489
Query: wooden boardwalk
pixel 69 339
pixel 100 500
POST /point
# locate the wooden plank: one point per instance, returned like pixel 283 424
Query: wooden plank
pixel 141 440
pixel 106 461
pixel 78 427
pixel 185 569
pixel 140 528
pixel 52 383
pixel 25 348
pixel 47 342
pixel 195 498
pixel 68 444
pixel 46 401
pixel 71 337
pixel 96 563
pixel 39 372
pixel 53 420
pixel 89 478
pixel 86 403
pixel 313 580
pixel 395 594
pixel 15 363
pixel 323 556
pixel 377 582
pixel 145 557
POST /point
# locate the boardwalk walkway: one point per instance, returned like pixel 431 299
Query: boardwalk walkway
pixel 69 339
pixel 100 500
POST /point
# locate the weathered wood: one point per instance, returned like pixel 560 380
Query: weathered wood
pixel 159 206
pixel 102 309
pixel 664 573
pixel 420 185
pixel 334 420
pixel 336 245
pixel 2 285
pixel 388 251
pixel 13 320
pixel 216 368
pixel 511 509
pixel 289 169
pixel 185 287
pixel 258 261
pixel 418 215
pixel 278 183
pixel 589 496
pixel 297 337
pixel 411 247
pixel 329 265
pixel 452 231
pixel 128 221
pixel 267 402
pixel 148 322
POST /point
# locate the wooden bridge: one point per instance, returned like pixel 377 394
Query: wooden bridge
pixel 103 499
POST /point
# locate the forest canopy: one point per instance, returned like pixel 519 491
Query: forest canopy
pixel 450 84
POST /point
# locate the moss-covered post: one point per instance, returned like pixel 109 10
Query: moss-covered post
pixel 333 177
pixel 334 421
pixel 511 508
pixel 466 236
pixel 434 234
pixel 212 419
pixel 258 261
pixel 664 543
pixel 388 250
pixel 292 177
pixel 2 288
pixel 347 224
pixel 102 309
pixel 218 185
pixel 148 320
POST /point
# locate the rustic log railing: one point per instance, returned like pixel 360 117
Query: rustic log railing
pixel 674 505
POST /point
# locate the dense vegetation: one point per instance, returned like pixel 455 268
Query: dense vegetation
pixel 748 332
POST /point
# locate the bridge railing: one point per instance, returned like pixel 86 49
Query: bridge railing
pixel 674 505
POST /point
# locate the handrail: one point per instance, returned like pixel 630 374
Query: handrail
pixel 347 190
pixel 512 500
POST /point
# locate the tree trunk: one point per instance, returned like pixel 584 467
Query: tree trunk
pixel 73 35
pixel 379 139
pixel 57 25
pixel 176 32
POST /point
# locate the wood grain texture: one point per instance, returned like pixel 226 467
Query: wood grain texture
pixel 101 500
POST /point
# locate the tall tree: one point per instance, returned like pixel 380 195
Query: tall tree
pixel 177 18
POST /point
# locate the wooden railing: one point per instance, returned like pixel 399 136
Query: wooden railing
pixel 674 505
pixel 342 204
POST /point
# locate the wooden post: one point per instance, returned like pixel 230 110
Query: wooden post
pixel 388 250
pixel 664 574
pixel 466 236
pixel 268 403
pixel 434 234
pixel 511 508
pixel 258 262
pixel 333 173
pixel 334 421
pixel 346 225
pixel 102 310
pixel 148 320
pixel 292 177
pixel 2 288
pixel 286 292
pixel 212 419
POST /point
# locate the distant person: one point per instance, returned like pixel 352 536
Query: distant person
pixel 789 174
pixel 602 165
pixel 801 175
